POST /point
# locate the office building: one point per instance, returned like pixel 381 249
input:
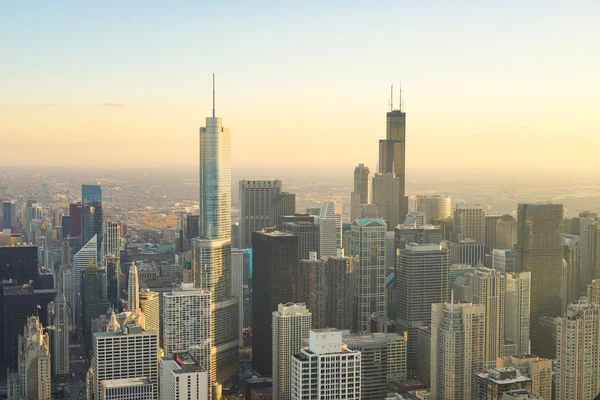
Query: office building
pixel 182 377
pixel 339 275
pixel 330 233
pixel 92 302
pixel 274 282
pixel 291 325
pixel 434 207
pixel 424 352
pixel 491 385
pixel 503 260
pixel 9 215
pixel 237 287
pixel 578 352
pixel 457 348
pixel 571 245
pixel 92 216
pixel 388 198
pixel 488 289
pixel 282 204
pixel 539 251
pixel 362 190
pixel 81 260
pixel 309 237
pixel 383 360
pixel 467 251
pixel 500 232
pixel 421 280
pixel 469 222
pixel 112 267
pixel 368 246
pixel 127 353
pixel 58 318
pixel 256 198
pixel 126 389
pixel 517 311
pixel 18 304
pixel 426 234
pixel 327 368
pixel 186 321
pixel 415 219
pixel 34 374
pixel 18 262
pixel 537 368
pixel 133 289
pixel 111 236
pixel 150 306
pixel 75 211
pixel 312 289
pixel 587 227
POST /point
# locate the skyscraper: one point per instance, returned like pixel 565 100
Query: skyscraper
pixel 182 377
pixel 537 368
pixel 517 311
pixel 572 262
pixel 150 306
pixel 467 251
pixel 593 292
pixel 339 308
pixel 421 280
pixel 133 289
pixel 503 261
pixel 434 207
pixel 312 289
pixel 309 237
pixel 291 324
pixel 59 335
pixel 387 197
pixel 500 232
pixel 330 222
pixel 81 260
pixel 282 204
pixel 590 249
pixel 92 301
pixel 111 235
pixel 539 251
pixel 362 190
pixel 392 155
pixel 368 245
pixel 327 368
pixel 457 348
pixel 19 304
pixel 256 198
pixel 211 252
pixel 9 215
pixel 274 282
pixel 469 222
pixel 91 216
pixel 578 352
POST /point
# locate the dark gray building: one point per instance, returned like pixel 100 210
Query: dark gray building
pixel 339 273
pixel 256 198
pixel 467 252
pixel 308 237
pixel 282 204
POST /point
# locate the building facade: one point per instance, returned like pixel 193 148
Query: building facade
pixel 256 198
pixel 362 190
pixel 339 274
pixel 434 207
pixel 182 377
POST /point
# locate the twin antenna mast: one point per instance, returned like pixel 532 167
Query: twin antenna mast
pixel 392 99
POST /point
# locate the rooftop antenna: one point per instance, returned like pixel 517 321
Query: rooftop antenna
pixel 401 104
pixel 213 94
pixel 392 98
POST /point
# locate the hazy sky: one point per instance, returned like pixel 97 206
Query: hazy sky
pixel 500 85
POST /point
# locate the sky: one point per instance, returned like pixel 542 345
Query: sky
pixel 494 86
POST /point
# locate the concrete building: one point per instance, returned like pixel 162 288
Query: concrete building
pixel 93 302
pixel 133 289
pixel 539 251
pixel 457 349
pixel 291 325
pixel 500 232
pixel 537 368
pixel 520 394
pixel 387 197
pixel 503 261
pixel 422 280
pixel 237 287
pixel 58 318
pixel 282 204
pixel 467 251
pixel 493 384
pixel 92 216
pixel 256 198
pixel 330 222
pixel 127 389
pixel 383 360
pixel 368 245
pixel 517 311
pixel 571 270
pixel 362 190
pixel 434 207
pixel 313 290
pixel 339 274
pixel 424 352
pixel 593 292
pixel 111 240
pixel 327 368
pixel 578 352
pixel 150 307
pixel 426 234
pixel 309 237
pixel 127 353
pixel 182 377
pixel 469 222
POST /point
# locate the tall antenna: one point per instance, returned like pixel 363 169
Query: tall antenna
pixel 392 98
pixel 401 104
pixel 213 94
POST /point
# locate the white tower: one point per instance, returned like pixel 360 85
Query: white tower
pixel 133 290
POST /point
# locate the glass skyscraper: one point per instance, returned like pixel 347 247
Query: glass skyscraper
pixel 91 215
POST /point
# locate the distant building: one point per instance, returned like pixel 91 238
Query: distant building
pixel 571 270
pixel 58 318
pixel 309 237
pixel 434 207
pixel 503 261
pixel 517 311
pixel 92 216
pixel 313 289
pixel 362 190
pixel 330 222
pixel 339 308
pixel 282 204
pixel 500 232
pixel 388 198
pixel 18 305
pixel 467 252
pixel 469 222
pixel 256 198
pixel 426 234
pixel 150 306
pixel 537 368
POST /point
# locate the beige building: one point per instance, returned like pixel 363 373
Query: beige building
pixel 537 368
pixel 434 207
pixel 517 312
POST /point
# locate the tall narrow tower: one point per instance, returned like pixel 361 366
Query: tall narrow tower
pixel 212 249
pixel 133 290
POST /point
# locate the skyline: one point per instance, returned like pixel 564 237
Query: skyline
pixel 135 84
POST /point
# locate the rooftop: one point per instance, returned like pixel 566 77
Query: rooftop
pixel 126 382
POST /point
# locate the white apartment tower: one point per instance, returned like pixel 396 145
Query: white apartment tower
pixel 330 222
pixel 133 289
pixel 578 352
pixel 517 311
pixel 127 353
pixel 291 325
pixel 368 245
pixel 182 378
pixel 457 348
pixel 326 369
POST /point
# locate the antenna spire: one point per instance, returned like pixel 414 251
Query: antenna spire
pixel 401 103
pixel 213 94
pixel 392 98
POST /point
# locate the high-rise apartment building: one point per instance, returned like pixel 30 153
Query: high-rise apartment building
pixel 282 204
pixel 309 237
pixel 362 190
pixel 256 198
pixel 127 353
pixel 291 325
pixel 537 368
pixel 467 251
pixel 339 273
pixel 368 246
pixel 503 261
pixel 492 385
pixel 469 222
pixel 111 238
pixel 578 352
pixel 92 216
pixel 312 289
pixel 58 318
pixel 274 282
pixel 383 360
pixel 593 292
pixel 571 245
pixel 326 369
pixel 330 222
pixel 150 306
pixel 457 348
pixel 186 320
pixel 388 198
pixel 539 251
pixel 434 207
pixel 421 280
pixel 182 377
pixel 517 311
